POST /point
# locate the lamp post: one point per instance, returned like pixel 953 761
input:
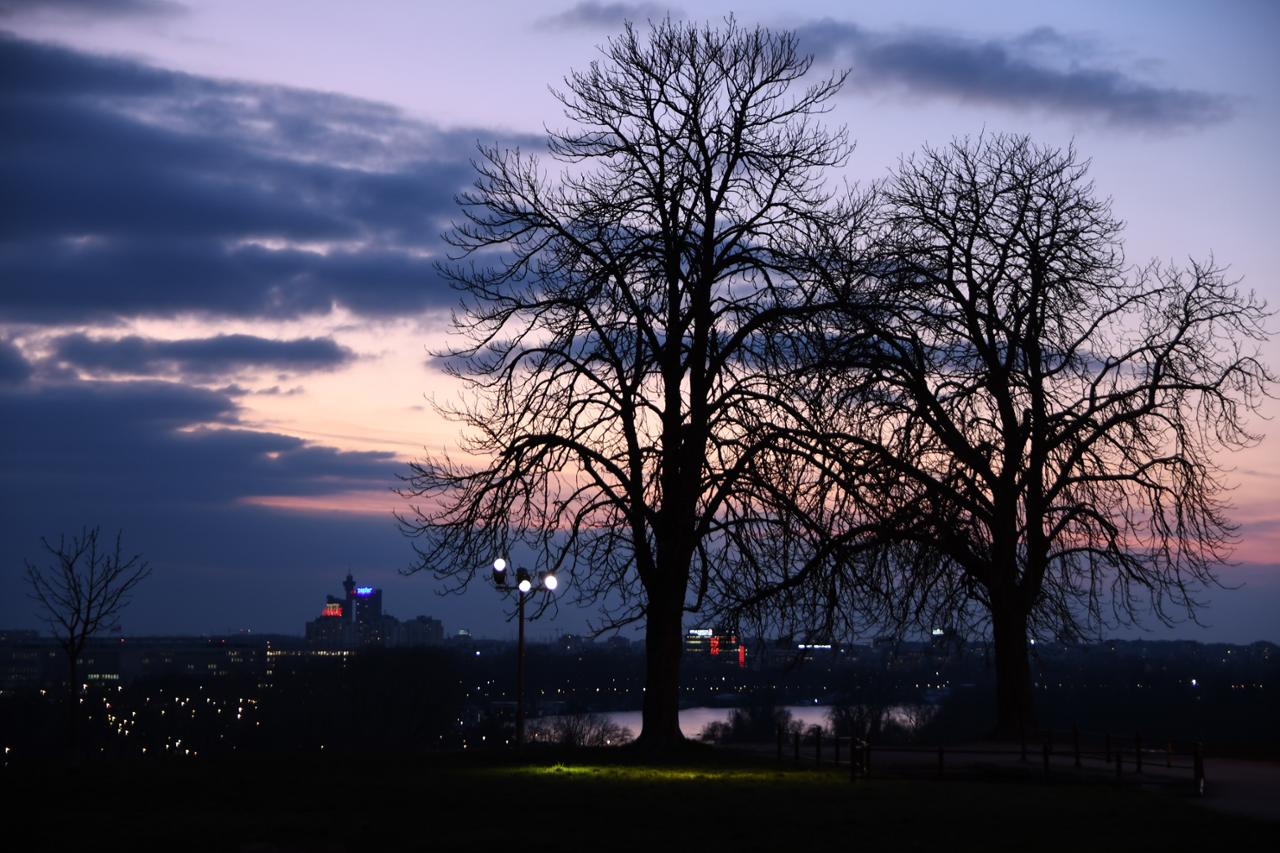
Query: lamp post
pixel 524 586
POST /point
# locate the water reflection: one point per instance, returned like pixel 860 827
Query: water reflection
pixel 694 720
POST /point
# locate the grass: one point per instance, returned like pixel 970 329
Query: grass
pixel 592 801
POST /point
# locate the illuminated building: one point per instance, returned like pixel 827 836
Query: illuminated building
pixel 356 619
pixel 364 606
pixel 716 643
pixel 351 621
pixel 332 629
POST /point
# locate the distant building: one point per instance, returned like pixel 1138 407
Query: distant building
pixel 716 643
pixel 365 604
pixel 26 662
pixel 412 633
pixel 945 641
pixel 356 619
pixel 331 630
pixel 351 621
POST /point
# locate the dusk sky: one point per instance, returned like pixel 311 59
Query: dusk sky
pixel 218 223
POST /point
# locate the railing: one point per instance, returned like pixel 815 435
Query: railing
pixel 1129 757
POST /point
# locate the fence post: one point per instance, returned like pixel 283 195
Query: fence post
pixel 1047 749
pixel 1119 762
pixel 1168 754
pixel 780 735
pixel 1075 737
pixel 1137 752
pixel 796 746
pixel 941 762
pixel 866 757
pixel 1022 739
pixel 1198 769
pixel 817 748
pixel 835 739
pixel 1107 747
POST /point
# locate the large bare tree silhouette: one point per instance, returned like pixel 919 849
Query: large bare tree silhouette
pixel 622 326
pixel 1046 423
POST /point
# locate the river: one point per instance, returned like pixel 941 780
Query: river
pixel 693 720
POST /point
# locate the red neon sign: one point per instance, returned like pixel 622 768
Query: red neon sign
pixel 332 609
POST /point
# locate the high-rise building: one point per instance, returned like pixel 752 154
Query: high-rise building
pixel 365 604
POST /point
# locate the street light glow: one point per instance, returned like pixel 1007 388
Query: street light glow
pixel 550 582
pixel 499 565
pixel 525 585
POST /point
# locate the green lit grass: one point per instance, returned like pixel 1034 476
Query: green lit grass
pixel 610 801
pixel 642 774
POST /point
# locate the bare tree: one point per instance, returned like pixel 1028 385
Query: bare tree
pixel 1046 422
pixel 81 593
pixel 621 324
pixel 581 730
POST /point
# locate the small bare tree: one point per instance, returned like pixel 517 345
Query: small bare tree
pixel 81 592
pixel 583 730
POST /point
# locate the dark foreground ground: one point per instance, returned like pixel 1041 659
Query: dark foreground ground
pixel 590 801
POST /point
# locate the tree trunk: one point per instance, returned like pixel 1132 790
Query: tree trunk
pixel 1015 710
pixel 660 726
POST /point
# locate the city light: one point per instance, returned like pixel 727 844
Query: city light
pixel 550 582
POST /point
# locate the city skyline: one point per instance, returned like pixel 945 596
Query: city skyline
pixel 220 299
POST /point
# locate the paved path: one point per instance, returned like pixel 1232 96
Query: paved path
pixel 1243 787
pixel 1235 786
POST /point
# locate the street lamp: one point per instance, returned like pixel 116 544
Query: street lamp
pixel 524 586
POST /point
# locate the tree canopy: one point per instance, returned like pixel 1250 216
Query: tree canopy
pixel 1054 419
pixel 624 326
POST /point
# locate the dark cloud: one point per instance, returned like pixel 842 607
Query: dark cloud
pixel 131 446
pixel 1039 69
pixel 273 391
pixel 93 8
pixel 131 190
pixel 13 366
pixel 59 281
pixel 594 15
pixel 198 357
